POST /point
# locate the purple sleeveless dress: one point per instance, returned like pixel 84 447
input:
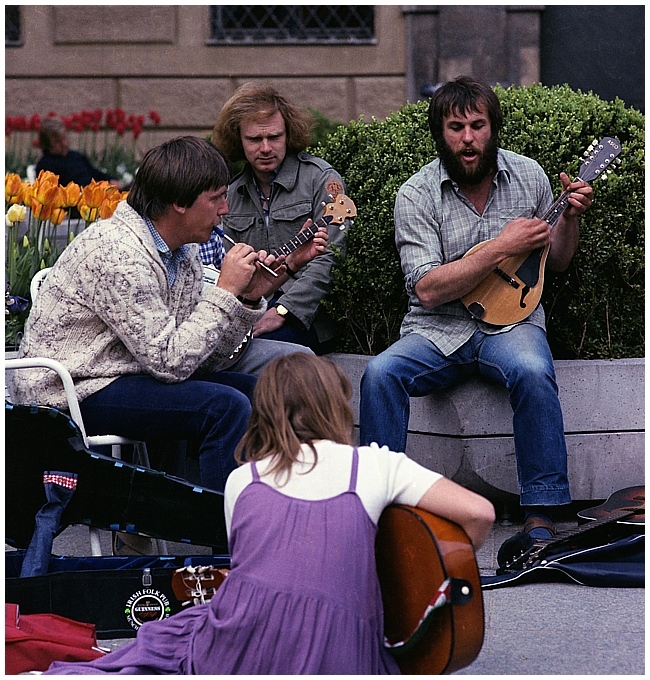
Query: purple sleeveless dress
pixel 302 597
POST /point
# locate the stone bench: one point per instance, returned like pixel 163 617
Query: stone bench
pixel 466 432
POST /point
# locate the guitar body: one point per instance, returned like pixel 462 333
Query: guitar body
pixel 415 552
pixel 501 303
pixel 630 500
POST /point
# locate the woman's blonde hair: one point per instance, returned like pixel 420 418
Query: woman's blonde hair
pixel 299 398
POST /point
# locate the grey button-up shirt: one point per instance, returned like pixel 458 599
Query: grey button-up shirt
pixel 436 224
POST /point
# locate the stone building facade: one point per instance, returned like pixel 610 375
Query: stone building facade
pixel 67 58
pixel 140 57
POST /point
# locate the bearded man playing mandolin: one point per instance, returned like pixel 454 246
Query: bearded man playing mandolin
pixel 476 192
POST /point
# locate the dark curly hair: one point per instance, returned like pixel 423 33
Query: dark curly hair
pixel 462 95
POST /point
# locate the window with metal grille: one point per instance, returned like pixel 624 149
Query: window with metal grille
pixel 299 24
pixel 12 25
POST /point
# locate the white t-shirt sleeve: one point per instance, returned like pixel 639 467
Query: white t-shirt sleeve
pixel 237 481
pixel 386 477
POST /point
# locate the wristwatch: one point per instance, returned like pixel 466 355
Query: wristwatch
pixel 281 310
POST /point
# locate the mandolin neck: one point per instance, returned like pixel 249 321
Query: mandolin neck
pixel 300 238
pixel 555 211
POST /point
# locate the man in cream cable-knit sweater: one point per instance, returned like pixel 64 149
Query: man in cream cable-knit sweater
pixel 123 310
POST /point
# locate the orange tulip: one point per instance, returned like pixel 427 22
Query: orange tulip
pixel 41 211
pixel 107 208
pixel 57 216
pixel 93 194
pixel 13 188
pixel 72 194
pixel 46 188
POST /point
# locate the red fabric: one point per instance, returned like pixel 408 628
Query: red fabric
pixel 33 641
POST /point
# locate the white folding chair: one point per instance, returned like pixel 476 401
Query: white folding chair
pixel 140 455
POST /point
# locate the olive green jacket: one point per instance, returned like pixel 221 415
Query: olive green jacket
pixel 303 184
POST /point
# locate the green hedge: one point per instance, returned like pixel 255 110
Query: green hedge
pixel 594 310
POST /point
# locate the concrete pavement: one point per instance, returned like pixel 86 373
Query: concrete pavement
pixel 546 629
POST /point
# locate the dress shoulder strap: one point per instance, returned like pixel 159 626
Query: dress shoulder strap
pixel 256 474
pixel 355 468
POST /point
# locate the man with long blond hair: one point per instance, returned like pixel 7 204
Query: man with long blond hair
pixel 280 190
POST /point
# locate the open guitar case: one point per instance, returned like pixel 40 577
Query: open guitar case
pixel 116 594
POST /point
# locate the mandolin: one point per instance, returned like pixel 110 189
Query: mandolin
pixel 624 507
pixel 430 587
pixel 338 211
pixel 511 292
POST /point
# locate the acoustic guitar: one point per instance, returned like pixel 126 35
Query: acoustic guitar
pixel 625 507
pixel 512 291
pixel 430 585
pixel 338 211
pixel 431 591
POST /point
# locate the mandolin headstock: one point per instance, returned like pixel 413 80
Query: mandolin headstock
pixel 601 159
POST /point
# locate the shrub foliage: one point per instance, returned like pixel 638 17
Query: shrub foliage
pixel 594 309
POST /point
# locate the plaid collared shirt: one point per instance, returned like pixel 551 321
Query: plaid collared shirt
pixel 436 224
pixel 171 258
pixel 213 251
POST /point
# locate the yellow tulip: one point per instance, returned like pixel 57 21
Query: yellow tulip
pixel 87 213
pixel 25 242
pixel 16 213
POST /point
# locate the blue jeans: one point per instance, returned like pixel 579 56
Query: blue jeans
pixel 213 409
pixel 519 359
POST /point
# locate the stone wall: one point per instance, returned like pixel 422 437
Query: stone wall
pixel 466 432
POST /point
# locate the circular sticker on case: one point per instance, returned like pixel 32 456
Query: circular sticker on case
pixel 146 605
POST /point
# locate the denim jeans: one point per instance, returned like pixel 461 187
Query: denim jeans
pixel 261 351
pixel 213 409
pixel 519 359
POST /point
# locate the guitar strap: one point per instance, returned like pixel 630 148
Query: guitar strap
pixel 452 591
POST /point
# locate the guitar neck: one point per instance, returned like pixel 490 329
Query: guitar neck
pixel 300 238
pixel 567 536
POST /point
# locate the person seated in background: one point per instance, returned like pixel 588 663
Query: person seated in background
pixel 124 310
pixel 302 595
pixel 279 190
pixel 69 165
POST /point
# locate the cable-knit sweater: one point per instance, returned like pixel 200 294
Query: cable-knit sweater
pixel 106 310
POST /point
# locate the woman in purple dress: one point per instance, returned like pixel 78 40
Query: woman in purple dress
pixel 302 596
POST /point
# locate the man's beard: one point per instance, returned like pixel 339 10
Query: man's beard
pixel 456 170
